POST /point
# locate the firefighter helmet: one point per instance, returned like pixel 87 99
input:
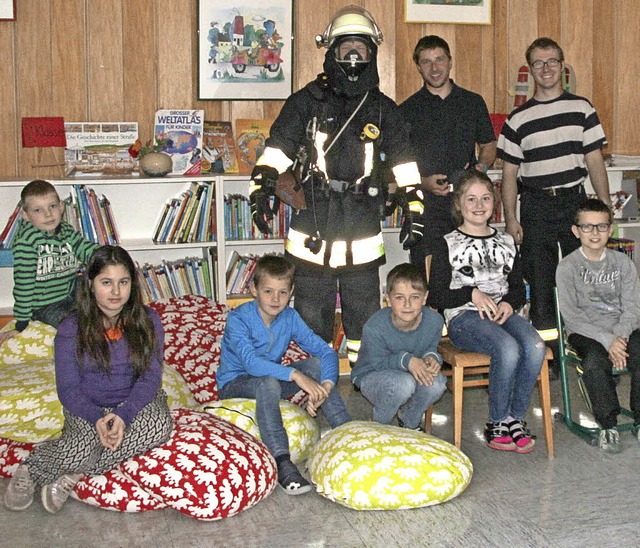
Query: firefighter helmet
pixel 350 21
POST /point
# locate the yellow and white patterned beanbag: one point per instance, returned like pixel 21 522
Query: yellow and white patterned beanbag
pixel 371 466
pixel 302 429
pixel 29 407
pixel 35 343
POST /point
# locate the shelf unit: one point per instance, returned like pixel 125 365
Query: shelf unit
pixel 137 203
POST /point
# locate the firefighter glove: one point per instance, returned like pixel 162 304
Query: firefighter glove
pixel 412 231
pixel 262 187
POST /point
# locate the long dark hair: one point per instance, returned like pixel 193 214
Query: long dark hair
pixel 133 320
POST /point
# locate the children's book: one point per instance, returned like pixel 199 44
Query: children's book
pixel 218 148
pixel 251 136
pixel 182 130
pixel 99 148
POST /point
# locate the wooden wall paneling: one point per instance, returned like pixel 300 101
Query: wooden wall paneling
pixel 469 57
pixel 139 41
pixel 246 109
pixel 408 80
pixel 310 18
pixel 33 71
pixel 577 42
pixel 522 29
pixel 550 19
pixel 501 102
pixel 383 12
pixel 624 55
pixel 68 60
pixel 486 65
pixel 176 54
pixel 605 58
pixel 105 61
pixel 9 128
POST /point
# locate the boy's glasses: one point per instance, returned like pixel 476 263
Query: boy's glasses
pixel 587 228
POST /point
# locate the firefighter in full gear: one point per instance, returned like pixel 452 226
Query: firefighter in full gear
pixel 336 132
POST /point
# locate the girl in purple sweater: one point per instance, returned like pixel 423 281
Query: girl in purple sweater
pixel 108 361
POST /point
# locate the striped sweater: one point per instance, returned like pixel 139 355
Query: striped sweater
pixel 45 267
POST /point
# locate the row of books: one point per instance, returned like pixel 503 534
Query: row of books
pixel 190 217
pixel 190 276
pixel 625 245
pixel 10 229
pixel 83 209
pixel 239 273
pixel 238 224
pixel 91 215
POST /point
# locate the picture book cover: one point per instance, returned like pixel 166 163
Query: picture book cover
pixel 182 130
pixel 218 148
pixel 251 136
pixel 99 148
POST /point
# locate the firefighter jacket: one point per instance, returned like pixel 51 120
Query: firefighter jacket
pixel 341 215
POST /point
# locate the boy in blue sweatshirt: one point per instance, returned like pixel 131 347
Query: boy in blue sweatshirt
pixel 255 338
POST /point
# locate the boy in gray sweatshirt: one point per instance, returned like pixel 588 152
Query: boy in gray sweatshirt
pixel 599 296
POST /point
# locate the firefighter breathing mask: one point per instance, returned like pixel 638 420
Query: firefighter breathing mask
pixel 352 54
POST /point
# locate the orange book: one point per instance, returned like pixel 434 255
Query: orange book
pixel 251 136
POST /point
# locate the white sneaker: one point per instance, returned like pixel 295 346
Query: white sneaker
pixel 609 440
pixel 19 493
pixel 55 494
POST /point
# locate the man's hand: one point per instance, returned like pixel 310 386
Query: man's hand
pixel 437 184
pixel 618 353
pixel 263 186
pixel 110 429
pixel 514 228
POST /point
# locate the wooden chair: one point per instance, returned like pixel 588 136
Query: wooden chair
pixel 469 369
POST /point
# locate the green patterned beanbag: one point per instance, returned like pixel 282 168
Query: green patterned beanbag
pixel 29 406
pixel 34 343
pixel 371 466
pixel 302 429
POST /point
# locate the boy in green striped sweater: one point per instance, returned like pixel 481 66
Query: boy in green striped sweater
pixel 46 255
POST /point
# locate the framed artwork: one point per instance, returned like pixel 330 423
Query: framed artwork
pixel 245 49
pixel 475 12
pixel 7 10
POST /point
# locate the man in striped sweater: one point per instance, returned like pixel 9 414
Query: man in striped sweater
pixel 549 146
pixel 46 255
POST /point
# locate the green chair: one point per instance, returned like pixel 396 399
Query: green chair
pixel 568 357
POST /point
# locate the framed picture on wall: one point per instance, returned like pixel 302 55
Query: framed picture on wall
pixel 245 49
pixel 7 10
pixel 477 12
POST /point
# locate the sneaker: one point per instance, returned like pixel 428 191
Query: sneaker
pixel 521 436
pixel 55 494
pixel 418 428
pixel 498 436
pixel 609 440
pixel 291 480
pixel 19 493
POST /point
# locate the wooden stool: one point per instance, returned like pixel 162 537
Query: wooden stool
pixel 473 363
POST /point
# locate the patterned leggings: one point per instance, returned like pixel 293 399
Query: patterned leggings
pixel 79 449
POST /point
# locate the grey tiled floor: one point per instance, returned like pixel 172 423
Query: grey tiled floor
pixel 581 498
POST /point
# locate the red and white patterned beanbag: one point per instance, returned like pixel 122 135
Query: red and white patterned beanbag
pixel 115 491
pixel 209 469
pixel 12 453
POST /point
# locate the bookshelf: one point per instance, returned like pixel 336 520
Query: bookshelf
pixel 138 202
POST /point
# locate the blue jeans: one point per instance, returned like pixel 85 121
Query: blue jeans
pixel 516 351
pixel 393 392
pixel 268 391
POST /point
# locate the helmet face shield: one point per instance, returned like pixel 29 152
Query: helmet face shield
pixel 353 54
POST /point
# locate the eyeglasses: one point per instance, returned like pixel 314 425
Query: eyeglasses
pixel 588 228
pixel 551 63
